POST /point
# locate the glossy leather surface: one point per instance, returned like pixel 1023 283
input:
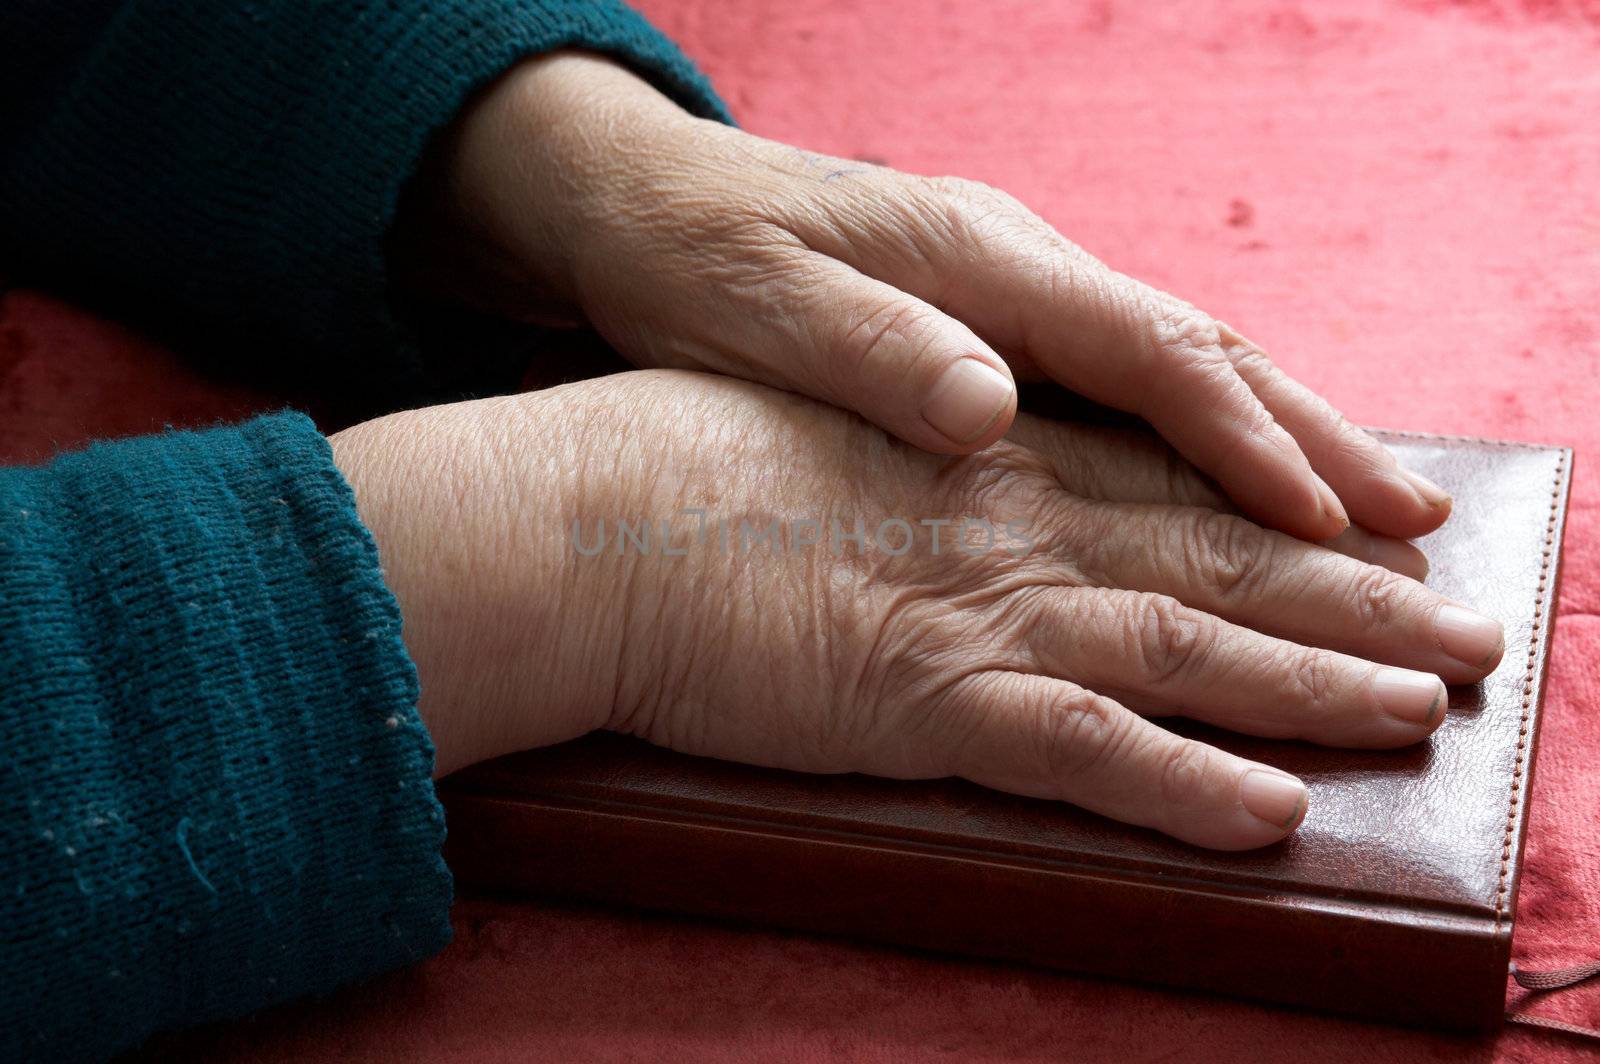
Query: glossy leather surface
pixel 1394 899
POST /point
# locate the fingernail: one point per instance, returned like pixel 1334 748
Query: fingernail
pixel 1470 638
pixel 1429 492
pixel 1330 504
pixel 1414 697
pixel 967 400
pixel 1397 556
pixel 1279 800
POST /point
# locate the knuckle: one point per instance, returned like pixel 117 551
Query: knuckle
pixel 1178 330
pixel 1252 363
pixel 1229 552
pixel 1069 278
pixel 1354 445
pixel 969 194
pixel 1167 636
pixel 873 333
pixel 1377 596
pixel 1311 680
pixel 1183 773
pixel 1010 479
pixel 973 212
pixel 953 187
pixel 1077 734
pixel 1177 347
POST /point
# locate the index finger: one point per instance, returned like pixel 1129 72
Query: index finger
pixel 989 262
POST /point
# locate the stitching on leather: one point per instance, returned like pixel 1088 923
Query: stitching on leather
pixel 1447 438
pixel 1528 681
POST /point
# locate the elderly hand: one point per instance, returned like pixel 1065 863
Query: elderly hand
pixel 797 589
pixel 572 189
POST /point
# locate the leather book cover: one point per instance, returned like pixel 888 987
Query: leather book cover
pixel 1394 900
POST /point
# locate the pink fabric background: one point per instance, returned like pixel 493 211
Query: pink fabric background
pixel 1400 200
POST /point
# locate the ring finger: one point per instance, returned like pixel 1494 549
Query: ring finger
pixel 1157 656
pixel 1127 465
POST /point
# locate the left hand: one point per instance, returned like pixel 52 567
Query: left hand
pixel 788 599
pixel 574 190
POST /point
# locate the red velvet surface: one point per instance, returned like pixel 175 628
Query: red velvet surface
pixel 1400 200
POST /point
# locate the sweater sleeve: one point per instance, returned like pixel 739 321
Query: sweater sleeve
pixel 215 787
pixel 231 170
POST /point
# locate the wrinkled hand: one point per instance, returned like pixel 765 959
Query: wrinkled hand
pixel 1027 658
pixel 574 190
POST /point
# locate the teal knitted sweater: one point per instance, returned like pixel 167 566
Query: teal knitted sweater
pixel 214 785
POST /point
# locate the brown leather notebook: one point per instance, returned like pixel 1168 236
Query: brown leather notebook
pixel 1394 900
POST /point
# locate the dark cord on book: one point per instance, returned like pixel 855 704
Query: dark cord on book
pixel 1554 979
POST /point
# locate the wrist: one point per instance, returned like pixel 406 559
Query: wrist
pixel 499 214
pixel 466 503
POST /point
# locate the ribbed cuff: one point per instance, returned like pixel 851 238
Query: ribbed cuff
pixel 215 788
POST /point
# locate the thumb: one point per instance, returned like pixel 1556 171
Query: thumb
pixel 900 363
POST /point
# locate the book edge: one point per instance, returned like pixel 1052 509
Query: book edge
pixel 1533 696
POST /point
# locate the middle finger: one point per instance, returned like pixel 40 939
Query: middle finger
pixel 1282 586
pixel 1129 465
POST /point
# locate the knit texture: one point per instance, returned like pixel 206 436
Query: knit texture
pixel 236 167
pixel 214 785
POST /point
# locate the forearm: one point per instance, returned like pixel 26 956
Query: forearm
pixel 470 504
pixel 498 215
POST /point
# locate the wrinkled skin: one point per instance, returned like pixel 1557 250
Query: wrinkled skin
pixel 1027 672
pixel 574 191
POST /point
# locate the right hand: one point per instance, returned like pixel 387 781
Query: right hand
pixel 1032 673
pixel 573 190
